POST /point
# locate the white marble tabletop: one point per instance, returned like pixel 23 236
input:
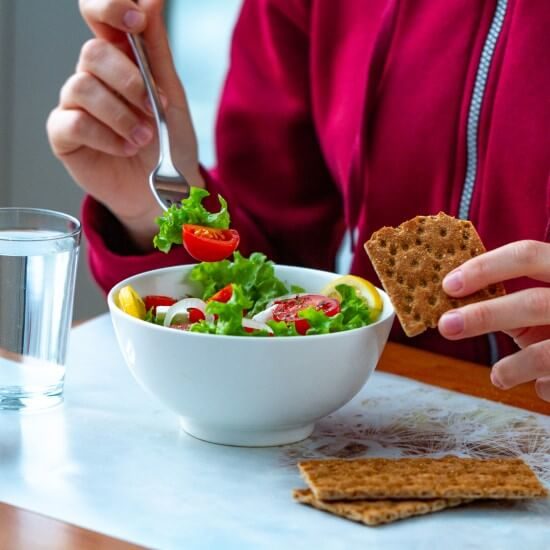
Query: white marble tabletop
pixel 114 460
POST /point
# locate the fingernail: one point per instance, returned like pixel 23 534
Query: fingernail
pixel 130 149
pixel 452 323
pixel 454 281
pixel 133 19
pixel 495 381
pixel 142 134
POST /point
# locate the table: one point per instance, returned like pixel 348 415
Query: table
pixel 112 462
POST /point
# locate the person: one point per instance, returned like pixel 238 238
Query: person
pixel 340 116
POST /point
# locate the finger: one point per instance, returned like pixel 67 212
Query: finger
pixel 528 364
pixel 69 130
pixel 109 65
pixel 526 308
pixel 526 336
pixel 522 258
pixel 542 387
pixel 84 91
pixel 109 19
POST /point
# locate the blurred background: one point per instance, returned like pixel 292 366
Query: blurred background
pixel 39 46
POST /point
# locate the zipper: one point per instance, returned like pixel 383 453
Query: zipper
pixel 475 108
pixel 472 128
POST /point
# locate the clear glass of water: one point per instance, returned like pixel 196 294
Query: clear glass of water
pixel 38 259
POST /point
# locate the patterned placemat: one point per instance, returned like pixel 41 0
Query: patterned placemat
pixel 395 416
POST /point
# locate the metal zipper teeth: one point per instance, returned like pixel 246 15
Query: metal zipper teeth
pixel 475 108
pixel 473 127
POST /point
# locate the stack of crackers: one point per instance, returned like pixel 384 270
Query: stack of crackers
pixel 374 491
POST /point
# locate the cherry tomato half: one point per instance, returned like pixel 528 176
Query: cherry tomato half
pixel 154 301
pixel 223 295
pixel 195 315
pixel 287 310
pixel 207 244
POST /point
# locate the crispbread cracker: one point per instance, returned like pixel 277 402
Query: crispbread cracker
pixel 420 478
pixel 376 512
pixel 412 260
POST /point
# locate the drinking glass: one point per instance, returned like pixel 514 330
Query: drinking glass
pixel 38 259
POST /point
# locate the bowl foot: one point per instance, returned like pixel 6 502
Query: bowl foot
pixel 222 435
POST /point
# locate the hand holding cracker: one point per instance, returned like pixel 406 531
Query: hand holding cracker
pixel 438 274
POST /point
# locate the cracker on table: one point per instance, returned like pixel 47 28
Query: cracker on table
pixel 411 261
pixel 421 478
pixel 376 512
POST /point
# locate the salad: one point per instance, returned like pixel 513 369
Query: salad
pixel 243 296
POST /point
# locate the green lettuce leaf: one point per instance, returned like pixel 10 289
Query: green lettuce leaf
pixel 255 276
pixel 229 316
pixel 150 317
pixel 280 328
pixel 320 323
pixel 354 309
pixel 191 211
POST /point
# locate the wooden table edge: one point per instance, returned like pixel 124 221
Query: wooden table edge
pixel 26 530
pixel 456 375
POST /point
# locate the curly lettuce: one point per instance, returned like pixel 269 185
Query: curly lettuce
pixel 190 210
pixel 254 275
pixel 228 316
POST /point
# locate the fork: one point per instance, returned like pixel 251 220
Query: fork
pixel 167 183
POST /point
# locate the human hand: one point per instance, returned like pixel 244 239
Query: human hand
pixel 524 315
pixel 103 128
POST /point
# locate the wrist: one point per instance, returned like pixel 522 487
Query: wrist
pixel 141 230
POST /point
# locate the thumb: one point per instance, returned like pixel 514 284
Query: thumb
pixel 158 52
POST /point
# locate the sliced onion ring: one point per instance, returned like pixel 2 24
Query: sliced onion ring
pixel 265 315
pixel 162 310
pixel 255 325
pixel 181 307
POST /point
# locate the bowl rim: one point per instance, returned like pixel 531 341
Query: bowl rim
pixel 115 310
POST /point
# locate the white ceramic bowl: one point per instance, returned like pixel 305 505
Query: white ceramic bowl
pixel 247 391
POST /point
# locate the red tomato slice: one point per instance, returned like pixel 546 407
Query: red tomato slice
pixel 223 295
pixel 287 310
pixel 195 315
pixel 207 244
pixel 154 301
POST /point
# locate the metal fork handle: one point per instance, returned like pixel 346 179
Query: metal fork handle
pixel 165 160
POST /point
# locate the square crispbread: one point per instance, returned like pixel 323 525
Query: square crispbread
pixel 411 261
pixel 376 512
pixel 421 478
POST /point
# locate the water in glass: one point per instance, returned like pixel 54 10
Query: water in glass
pixel 37 272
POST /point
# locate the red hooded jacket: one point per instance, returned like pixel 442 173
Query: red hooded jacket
pixel 362 113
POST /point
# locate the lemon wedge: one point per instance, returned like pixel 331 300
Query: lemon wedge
pixel 362 287
pixel 130 302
